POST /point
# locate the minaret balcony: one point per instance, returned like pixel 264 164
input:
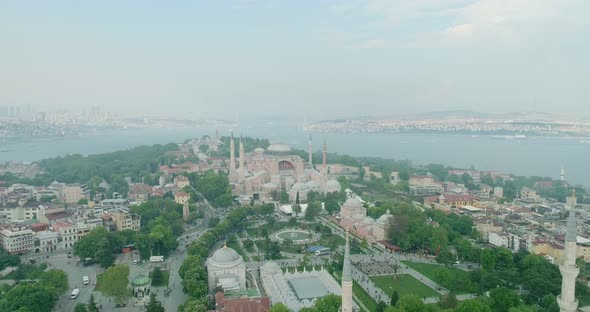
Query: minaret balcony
pixel 569 271
pixel 567 305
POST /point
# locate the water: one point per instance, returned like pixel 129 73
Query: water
pixel 541 156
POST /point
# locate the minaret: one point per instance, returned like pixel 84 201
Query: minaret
pixel 232 154
pixel 346 279
pixel 562 176
pixel 309 152
pixel 325 158
pixel 569 271
pixel 185 211
pixel 242 170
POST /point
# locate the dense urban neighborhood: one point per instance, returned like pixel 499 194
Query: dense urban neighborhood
pixel 243 224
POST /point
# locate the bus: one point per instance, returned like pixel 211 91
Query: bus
pixel 323 252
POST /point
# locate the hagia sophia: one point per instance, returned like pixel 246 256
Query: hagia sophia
pixel 277 168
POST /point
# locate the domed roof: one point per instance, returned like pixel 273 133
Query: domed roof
pixel 299 187
pixel 225 256
pixel 384 219
pixel 140 280
pixel 259 150
pixel 353 201
pixel 270 267
pixel 311 184
pixel 278 147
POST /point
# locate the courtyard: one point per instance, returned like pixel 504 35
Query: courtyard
pixel 403 284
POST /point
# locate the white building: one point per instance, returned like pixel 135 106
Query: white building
pixel 48 241
pixel 498 240
pixel 226 269
pixel 68 233
pixel 17 241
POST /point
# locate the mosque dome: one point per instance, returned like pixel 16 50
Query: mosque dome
pixel 225 257
pixel 259 150
pixel 353 202
pixel 333 186
pixel 278 148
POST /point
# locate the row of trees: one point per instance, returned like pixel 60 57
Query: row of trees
pixel 135 163
pixel 38 297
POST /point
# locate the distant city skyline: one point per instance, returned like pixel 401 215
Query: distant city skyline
pixel 322 60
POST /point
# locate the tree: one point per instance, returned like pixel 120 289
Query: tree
pixel 313 209
pixel 329 303
pixel 381 306
pixel 448 301
pixel 56 280
pixel 503 299
pixel 488 262
pixel 29 298
pixel 157 277
pixel 114 282
pixel 411 303
pixel 284 197
pixel 395 267
pixel 195 281
pixel 194 305
pixel 473 305
pixel 394 298
pixel 154 305
pixel 296 208
pixel 92 304
pixel 279 308
pixel 80 307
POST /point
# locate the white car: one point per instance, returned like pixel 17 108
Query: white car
pixel 75 293
pixel 86 280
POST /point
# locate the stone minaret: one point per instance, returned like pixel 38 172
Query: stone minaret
pixel 232 155
pixel 242 169
pixel 324 172
pixel 185 211
pixel 569 271
pixel 309 152
pixel 346 279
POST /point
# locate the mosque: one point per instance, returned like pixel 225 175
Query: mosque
pixel 226 269
pixel 353 216
pixel 277 168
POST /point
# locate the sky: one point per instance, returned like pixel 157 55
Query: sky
pixel 319 59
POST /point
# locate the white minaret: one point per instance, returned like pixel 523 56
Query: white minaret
pixel 310 152
pixel 346 279
pixel 562 176
pixel 569 271
pixel 324 178
pixel 232 155
pixel 242 169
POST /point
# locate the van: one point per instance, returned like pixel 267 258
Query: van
pixel 86 280
pixel 75 293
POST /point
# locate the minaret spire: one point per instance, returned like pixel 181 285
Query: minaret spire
pixel 242 169
pixel 347 279
pixel 232 154
pixel 324 173
pixel 569 271
pixel 309 151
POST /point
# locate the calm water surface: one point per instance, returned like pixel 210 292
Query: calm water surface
pixel 532 156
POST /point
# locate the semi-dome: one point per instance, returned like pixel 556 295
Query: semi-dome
pixel 225 256
pixel 259 150
pixel 299 187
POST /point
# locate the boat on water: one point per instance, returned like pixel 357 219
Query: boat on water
pixel 509 137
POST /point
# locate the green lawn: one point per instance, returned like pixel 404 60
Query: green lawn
pixel 404 284
pixel 429 270
pixel 365 299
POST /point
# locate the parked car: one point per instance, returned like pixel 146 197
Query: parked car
pixel 75 293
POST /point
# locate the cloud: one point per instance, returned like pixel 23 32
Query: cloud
pixel 462 30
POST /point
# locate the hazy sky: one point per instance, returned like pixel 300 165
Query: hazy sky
pixel 315 58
